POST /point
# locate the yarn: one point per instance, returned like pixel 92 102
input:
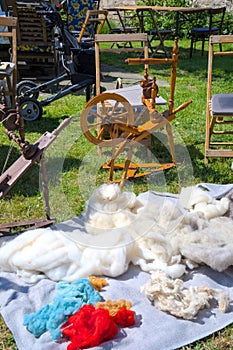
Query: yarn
pixel 91 326
pixel 69 299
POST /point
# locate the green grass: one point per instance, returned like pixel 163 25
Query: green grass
pixel 74 166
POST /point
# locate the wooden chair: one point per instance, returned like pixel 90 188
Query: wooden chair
pixel 148 24
pixel 215 18
pixel 219 107
pixel 92 25
pixel 123 23
pixel 8 70
pixel 35 41
pixel 9 4
pixel 117 38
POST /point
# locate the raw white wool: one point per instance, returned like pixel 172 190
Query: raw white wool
pixel 156 233
pixel 170 295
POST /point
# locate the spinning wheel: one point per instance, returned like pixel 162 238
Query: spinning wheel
pixel 108 120
pixel 105 118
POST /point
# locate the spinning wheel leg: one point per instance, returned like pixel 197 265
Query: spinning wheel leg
pixel 127 164
pixel 171 141
pixel 111 163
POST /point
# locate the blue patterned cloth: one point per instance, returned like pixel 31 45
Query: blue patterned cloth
pixel 76 12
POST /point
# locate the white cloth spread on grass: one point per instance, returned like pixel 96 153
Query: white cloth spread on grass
pixel 154 232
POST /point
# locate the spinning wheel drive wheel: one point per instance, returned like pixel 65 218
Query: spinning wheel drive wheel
pixel 105 118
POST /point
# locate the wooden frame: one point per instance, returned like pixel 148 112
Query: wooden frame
pixel 154 33
pixel 95 20
pixel 35 41
pixel 224 118
pixel 8 70
pixel 216 17
pixel 116 38
pixel 108 118
pixel 124 25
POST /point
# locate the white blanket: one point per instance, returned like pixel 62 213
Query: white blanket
pixel 152 323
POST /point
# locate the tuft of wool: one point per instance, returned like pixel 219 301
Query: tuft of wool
pixel 171 296
pixel 97 282
pixel 209 243
pixel 110 208
pixel 90 327
pixel 68 299
pixel 42 253
pixel 113 306
pixel 197 200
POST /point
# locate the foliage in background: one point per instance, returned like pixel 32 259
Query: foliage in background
pixel 167 20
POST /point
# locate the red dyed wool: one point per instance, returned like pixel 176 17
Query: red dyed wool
pixel 124 317
pixel 89 327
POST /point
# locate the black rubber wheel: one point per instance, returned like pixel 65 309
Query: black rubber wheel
pixel 30 109
pixel 23 86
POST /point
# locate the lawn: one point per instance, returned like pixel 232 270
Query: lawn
pixel 74 166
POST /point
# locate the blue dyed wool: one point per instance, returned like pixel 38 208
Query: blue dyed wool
pixel 69 299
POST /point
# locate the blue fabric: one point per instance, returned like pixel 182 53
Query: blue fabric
pixel 69 299
pixel 204 30
pixel 76 11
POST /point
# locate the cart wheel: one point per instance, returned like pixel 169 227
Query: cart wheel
pixel 30 109
pixel 24 86
pixel 104 118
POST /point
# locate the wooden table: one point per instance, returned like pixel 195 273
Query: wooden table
pixel 179 11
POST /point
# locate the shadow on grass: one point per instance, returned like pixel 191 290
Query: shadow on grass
pixel 213 172
pixel 43 125
pixel 28 182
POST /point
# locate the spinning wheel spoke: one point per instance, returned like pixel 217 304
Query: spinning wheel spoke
pixel 100 133
pixel 94 125
pixel 94 114
pixel 115 107
pixel 122 115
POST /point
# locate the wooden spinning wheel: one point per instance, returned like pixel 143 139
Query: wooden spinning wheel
pixel 105 118
pixel 108 120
